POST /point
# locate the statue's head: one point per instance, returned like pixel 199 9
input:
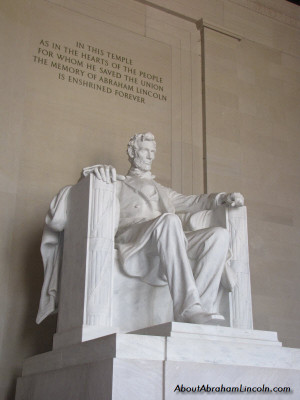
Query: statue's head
pixel 141 150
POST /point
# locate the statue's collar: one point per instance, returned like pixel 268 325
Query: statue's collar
pixel 135 172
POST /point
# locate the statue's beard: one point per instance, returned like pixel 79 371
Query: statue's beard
pixel 138 163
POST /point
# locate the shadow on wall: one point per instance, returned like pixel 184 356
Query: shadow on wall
pixel 32 338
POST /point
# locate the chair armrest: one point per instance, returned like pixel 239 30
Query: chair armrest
pixel 241 303
pixel 88 255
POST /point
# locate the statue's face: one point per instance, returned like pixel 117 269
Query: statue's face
pixel 144 155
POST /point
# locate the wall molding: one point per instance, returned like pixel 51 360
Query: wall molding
pixel 270 11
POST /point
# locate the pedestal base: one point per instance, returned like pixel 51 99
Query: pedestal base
pixel 182 358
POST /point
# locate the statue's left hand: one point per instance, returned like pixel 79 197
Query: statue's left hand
pixel 232 199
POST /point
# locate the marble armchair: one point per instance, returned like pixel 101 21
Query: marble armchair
pixel 97 298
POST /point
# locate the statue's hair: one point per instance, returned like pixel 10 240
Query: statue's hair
pixel 134 141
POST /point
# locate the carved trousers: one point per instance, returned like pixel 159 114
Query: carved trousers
pixel 193 262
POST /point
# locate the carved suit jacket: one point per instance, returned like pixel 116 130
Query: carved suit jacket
pixel 135 205
pixel 137 222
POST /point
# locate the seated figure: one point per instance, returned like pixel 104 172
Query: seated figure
pixel 153 245
pixel 155 239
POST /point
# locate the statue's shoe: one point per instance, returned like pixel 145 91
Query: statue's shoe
pixel 208 319
pixel 197 316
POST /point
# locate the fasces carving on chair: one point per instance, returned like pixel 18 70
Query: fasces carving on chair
pixel 162 237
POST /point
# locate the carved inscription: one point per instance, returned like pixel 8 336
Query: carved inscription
pixel 101 70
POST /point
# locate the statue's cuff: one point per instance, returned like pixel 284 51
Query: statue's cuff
pixel 220 199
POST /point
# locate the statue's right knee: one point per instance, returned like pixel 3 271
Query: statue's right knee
pixel 171 219
pixel 170 222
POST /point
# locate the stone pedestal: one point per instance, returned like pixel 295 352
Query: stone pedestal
pixel 162 361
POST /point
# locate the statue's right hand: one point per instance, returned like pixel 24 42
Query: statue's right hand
pixel 105 173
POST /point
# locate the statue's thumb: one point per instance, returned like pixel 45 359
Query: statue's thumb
pixel 120 177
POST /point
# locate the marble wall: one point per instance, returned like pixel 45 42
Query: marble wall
pixel 53 124
pixel 253 147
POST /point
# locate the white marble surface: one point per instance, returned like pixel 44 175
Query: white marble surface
pixel 120 346
pixel 81 334
pixel 137 304
pixel 208 332
pixel 231 353
pixel 212 344
pixel 86 280
pixel 135 367
pixel 111 379
pixel 224 345
pixel 121 379
pixel 138 380
pixel 75 383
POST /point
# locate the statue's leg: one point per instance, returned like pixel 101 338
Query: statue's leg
pixel 169 241
pixel 207 251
